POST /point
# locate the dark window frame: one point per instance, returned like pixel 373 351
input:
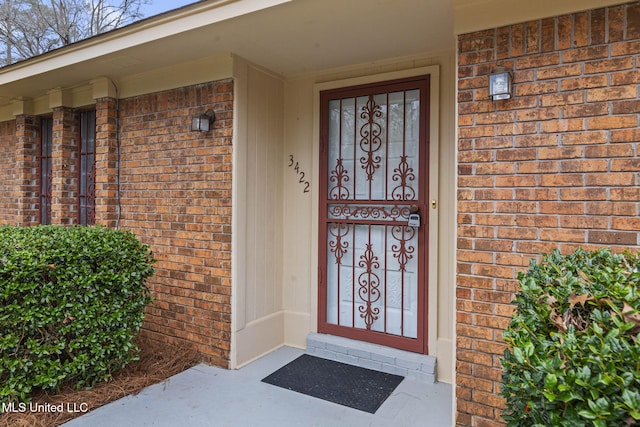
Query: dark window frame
pixel 45 162
pixel 87 168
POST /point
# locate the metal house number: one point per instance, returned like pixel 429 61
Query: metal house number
pixel 294 164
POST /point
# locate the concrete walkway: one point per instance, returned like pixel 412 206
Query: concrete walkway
pixel 210 396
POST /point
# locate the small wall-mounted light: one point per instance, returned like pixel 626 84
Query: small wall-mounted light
pixel 500 81
pixel 203 122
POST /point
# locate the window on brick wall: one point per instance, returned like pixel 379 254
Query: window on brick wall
pixel 46 178
pixel 87 169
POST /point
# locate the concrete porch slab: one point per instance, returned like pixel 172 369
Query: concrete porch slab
pixel 210 396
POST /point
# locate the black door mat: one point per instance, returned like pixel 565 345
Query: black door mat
pixel 346 385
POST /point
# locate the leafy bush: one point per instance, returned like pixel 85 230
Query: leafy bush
pixel 574 357
pixel 71 304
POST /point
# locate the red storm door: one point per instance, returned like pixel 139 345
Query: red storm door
pixel 373 213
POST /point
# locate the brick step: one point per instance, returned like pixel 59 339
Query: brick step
pixel 373 356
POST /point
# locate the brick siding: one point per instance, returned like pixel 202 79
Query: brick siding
pixel 64 158
pixel 176 196
pixel 26 166
pixel 8 197
pixel 106 162
pixel 556 166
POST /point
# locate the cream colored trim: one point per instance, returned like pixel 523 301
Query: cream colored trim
pixel 454 239
pixel 82 96
pixel 103 87
pixel 7 112
pixel 434 185
pixel 238 203
pixel 296 328
pixel 257 311
pixel 478 15
pixel 180 75
pixel 40 106
pixel 21 106
pixel 381 66
pixel 373 78
pixel 258 338
pixel 60 97
pixel 447 222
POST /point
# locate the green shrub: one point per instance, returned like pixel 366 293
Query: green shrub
pixel 71 305
pixel 574 357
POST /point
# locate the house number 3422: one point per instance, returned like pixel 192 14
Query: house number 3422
pixel 296 167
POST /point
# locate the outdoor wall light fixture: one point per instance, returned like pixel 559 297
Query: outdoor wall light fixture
pixel 500 81
pixel 203 122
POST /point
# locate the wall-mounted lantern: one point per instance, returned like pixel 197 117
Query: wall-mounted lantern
pixel 500 83
pixel 203 122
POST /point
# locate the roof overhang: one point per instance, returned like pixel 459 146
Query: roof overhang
pixel 288 37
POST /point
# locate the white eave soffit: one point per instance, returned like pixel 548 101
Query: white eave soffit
pixel 187 18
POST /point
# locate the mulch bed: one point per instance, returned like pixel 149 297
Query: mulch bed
pixel 158 361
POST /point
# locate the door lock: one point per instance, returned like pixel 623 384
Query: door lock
pixel 414 220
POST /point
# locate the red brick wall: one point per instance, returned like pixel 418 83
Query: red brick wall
pixel 176 196
pixel 106 162
pixel 26 168
pixel 8 196
pixel 556 166
pixel 64 158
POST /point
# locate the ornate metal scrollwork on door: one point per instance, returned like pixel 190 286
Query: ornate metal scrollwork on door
pixel 371 141
pixel 383 212
pixel 403 251
pixel 338 247
pixel 339 175
pixel 369 282
pixel 404 174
